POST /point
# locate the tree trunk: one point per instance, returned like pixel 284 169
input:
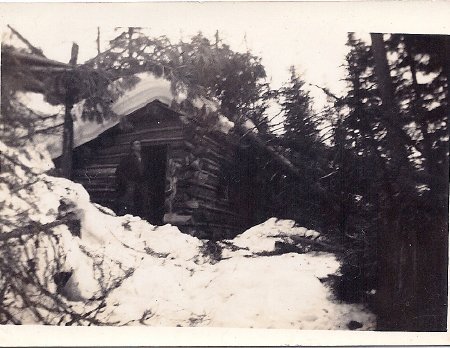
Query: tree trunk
pixel 432 257
pixel 396 247
pixel 67 148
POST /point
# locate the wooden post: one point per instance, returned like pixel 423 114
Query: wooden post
pixel 130 37
pixel 98 40
pixel 67 148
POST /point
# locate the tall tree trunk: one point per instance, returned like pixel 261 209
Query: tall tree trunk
pixel 396 246
pixel 397 137
pixel 67 148
pixel 433 252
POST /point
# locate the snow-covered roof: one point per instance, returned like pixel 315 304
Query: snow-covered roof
pixel 148 89
pixel 151 88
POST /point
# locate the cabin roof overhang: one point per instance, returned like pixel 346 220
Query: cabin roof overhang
pixel 39 74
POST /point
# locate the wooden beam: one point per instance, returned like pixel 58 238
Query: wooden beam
pixel 67 149
pixel 32 48
pixel 275 155
pixel 32 59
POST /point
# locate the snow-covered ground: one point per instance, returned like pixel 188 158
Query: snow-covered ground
pixel 158 276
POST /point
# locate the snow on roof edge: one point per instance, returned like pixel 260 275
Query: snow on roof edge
pixel 147 90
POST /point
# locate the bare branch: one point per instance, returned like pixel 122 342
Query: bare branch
pixel 327 92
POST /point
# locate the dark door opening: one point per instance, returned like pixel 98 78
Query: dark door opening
pixel 155 161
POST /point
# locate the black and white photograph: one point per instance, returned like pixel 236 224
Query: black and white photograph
pixel 244 165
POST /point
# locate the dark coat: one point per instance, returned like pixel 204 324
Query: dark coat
pixel 130 185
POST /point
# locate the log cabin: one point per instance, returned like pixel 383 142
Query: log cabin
pixel 198 178
pixel 202 178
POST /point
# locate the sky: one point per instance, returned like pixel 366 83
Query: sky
pixel 310 36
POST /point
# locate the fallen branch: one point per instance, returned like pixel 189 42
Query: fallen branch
pixel 322 245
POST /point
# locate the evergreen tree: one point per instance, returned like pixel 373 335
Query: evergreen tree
pixel 357 153
pixel 303 200
pixel 300 124
pixel 391 157
pixel 236 80
pixel 420 77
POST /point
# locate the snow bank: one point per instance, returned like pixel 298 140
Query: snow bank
pixel 242 290
pixel 155 275
pixel 111 246
pixel 262 238
pixel 281 291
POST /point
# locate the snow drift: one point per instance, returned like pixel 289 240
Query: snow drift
pixel 156 275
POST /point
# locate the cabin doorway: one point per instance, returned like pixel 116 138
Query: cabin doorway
pixel 155 162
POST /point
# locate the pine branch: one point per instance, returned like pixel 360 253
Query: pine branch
pixel 33 229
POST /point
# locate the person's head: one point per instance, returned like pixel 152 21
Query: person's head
pixel 136 146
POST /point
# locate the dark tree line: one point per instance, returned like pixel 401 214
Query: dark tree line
pixel 380 184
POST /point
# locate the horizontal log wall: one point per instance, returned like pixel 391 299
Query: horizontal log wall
pixel 206 184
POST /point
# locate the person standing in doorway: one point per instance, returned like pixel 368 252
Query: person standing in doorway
pixel 130 182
